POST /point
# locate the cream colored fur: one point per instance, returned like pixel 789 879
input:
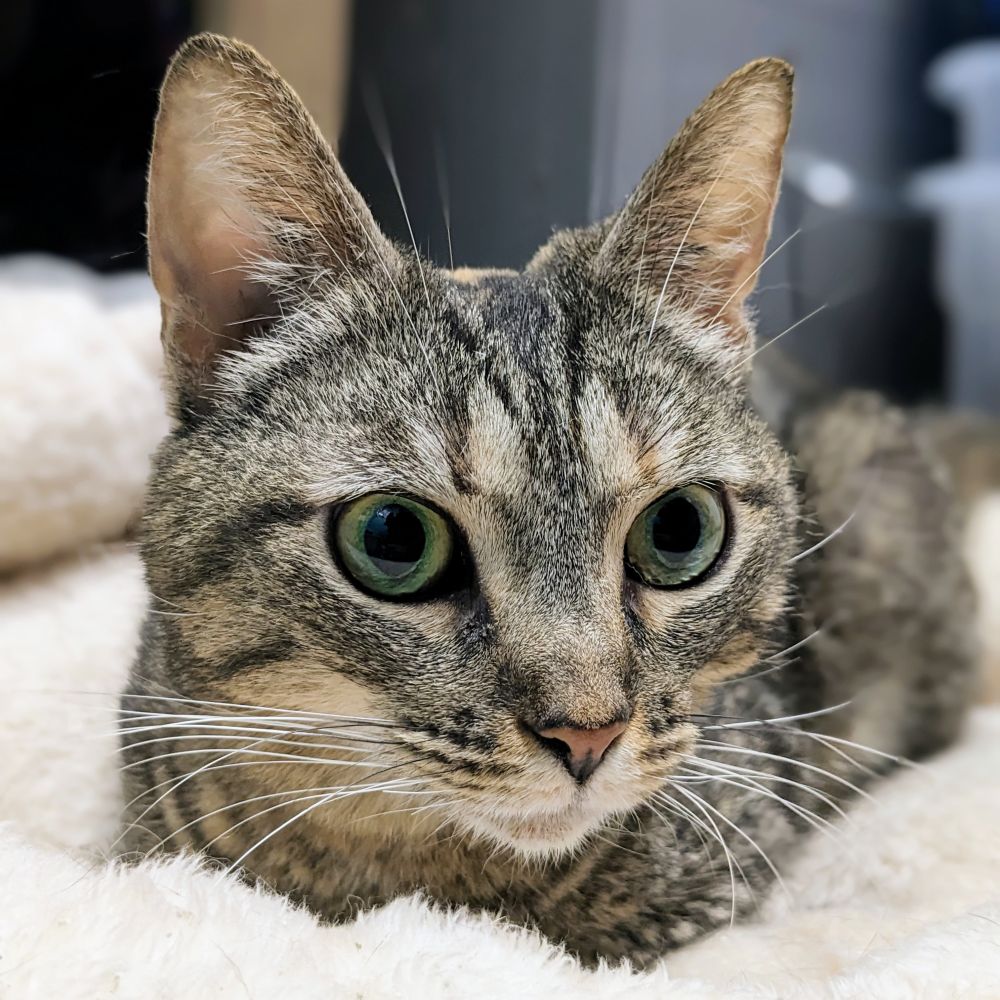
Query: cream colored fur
pixel 904 902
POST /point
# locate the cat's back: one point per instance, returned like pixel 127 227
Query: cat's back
pixel 881 575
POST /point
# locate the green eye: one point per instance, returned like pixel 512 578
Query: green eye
pixel 393 546
pixel 677 539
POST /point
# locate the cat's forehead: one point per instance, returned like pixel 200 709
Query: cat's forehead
pixel 511 311
pixel 511 387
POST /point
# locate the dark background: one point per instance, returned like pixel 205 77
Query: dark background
pixel 517 118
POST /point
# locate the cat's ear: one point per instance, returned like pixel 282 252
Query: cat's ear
pixel 246 204
pixel 694 231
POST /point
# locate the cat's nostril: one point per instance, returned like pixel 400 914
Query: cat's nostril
pixel 580 748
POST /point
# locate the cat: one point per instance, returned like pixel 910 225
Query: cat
pixel 497 585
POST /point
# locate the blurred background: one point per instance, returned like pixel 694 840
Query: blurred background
pixel 506 120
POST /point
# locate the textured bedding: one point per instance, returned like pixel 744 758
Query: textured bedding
pixel 902 901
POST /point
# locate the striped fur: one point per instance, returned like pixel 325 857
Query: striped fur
pixel 312 361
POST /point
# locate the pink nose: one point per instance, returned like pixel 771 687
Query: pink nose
pixel 581 750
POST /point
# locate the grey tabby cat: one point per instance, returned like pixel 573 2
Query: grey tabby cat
pixel 498 585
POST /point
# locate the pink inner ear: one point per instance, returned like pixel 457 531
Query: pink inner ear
pixel 211 296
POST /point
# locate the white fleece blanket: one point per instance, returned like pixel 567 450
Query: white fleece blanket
pixel 903 902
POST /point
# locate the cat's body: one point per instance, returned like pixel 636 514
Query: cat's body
pixel 540 415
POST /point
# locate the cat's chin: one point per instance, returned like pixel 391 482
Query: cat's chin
pixel 559 819
pixel 541 835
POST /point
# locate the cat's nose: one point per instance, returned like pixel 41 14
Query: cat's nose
pixel 580 749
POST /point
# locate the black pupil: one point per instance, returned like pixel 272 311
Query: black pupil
pixel 676 527
pixel 394 539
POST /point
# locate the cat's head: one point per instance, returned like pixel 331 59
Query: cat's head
pixel 528 518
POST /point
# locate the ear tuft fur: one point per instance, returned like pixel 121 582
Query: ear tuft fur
pixel 694 231
pixel 246 202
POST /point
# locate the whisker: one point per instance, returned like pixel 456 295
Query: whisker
pixel 275 755
pixel 615 844
pixel 226 725
pixel 399 295
pixel 815 768
pixel 380 129
pixel 776 659
pixel 764 775
pixel 696 824
pixel 180 607
pixel 753 274
pixel 325 800
pixel 442 178
pixel 413 810
pixel 731 861
pixel 642 251
pixel 203 737
pixel 845 524
pixel 750 723
pixel 775 339
pixel 746 836
pixel 816 821
pixel 796 646
pixel 681 244
pixel 176 781
pixel 175 784
pixel 256 708
pixel 175 614
pixel 840 529
pixel 825 738
pixel 321 789
pixel 263 840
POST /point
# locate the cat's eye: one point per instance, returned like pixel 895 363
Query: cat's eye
pixel 677 539
pixel 393 546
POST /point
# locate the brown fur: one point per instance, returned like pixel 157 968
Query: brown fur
pixel 313 362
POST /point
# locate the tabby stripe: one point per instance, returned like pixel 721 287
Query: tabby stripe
pixel 217 555
pixel 256 657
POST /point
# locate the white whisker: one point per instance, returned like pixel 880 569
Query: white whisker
pixel 321 790
pixel 750 723
pixel 753 274
pixel 731 861
pixel 775 339
pixel 336 796
pixel 271 755
pixel 776 659
pixel 735 769
pixel 746 836
pixel 205 737
pixel 680 246
pixel 815 768
pixel 442 178
pixel 256 708
pixel 816 821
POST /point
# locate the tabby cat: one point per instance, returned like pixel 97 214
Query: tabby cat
pixel 503 586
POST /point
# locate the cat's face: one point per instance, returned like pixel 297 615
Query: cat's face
pixel 529 519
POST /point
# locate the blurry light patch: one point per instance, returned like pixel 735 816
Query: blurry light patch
pixel 827 183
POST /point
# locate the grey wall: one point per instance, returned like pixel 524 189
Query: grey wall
pixel 501 95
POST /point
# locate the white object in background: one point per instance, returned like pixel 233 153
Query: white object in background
pixel 964 197
pixel 967 80
pixel 81 407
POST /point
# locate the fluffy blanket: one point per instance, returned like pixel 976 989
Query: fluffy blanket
pixel 903 901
